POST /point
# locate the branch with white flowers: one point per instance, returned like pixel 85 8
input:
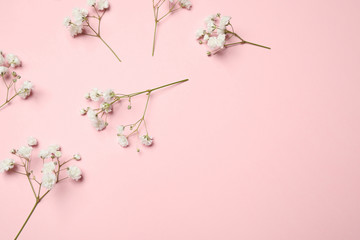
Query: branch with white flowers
pixel 172 7
pixel 82 21
pixel 8 63
pixel 107 100
pixel 52 170
pixel 218 33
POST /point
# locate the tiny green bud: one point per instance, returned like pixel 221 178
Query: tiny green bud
pixel 14 80
pixel 129 107
pixel 208 53
pixel 14 74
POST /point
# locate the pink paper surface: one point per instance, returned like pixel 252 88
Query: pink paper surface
pixel 258 145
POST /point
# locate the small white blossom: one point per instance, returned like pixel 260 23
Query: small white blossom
pixel 98 123
pixel 215 42
pixel 210 18
pixel 44 153
pixel 199 33
pixel 48 167
pixel 83 111
pixel 75 29
pixel 13 60
pixel 6 165
pixel 77 157
pixel 210 26
pixel 206 37
pixel 74 172
pixel 120 129
pixel 122 140
pixel 3 70
pixel 67 22
pixel 32 141
pixel 58 154
pixel 24 151
pixel 80 14
pixel 48 180
pixel 95 94
pixel 224 20
pixel 25 89
pixel 185 4
pixel 87 96
pixel 146 140
pixel 106 107
pixel 102 4
pixel 108 95
pixel 91 3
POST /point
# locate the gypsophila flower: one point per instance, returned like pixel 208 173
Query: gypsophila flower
pixel 6 165
pixel 48 167
pixel 48 180
pixel 82 22
pixel 83 111
pixel 3 70
pixel 95 94
pixel 52 172
pixel 108 95
pixel 32 141
pixel 77 157
pixel 186 4
pixel 25 89
pixel 91 3
pixel 122 140
pixel 217 40
pixel 74 172
pixel 146 140
pixel 24 152
pixel 98 116
pixel 13 60
pixel 102 4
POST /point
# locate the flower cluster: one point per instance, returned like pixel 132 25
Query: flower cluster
pixel 173 6
pixel 80 24
pixel 217 32
pixel 8 63
pixel 106 100
pixel 52 171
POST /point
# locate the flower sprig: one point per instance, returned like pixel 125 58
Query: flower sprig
pixel 107 100
pixel 52 170
pixel 9 77
pixel 173 5
pixel 82 21
pixel 218 33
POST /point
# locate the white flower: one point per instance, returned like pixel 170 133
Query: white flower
pixel 44 154
pixel 206 37
pixel 95 94
pixel 123 141
pixel 79 14
pixel 58 154
pixel 146 140
pixel 210 26
pixel 221 40
pixel 74 172
pixel 6 165
pixel 2 59
pixel 3 70
pixel 106 107
pixel 102 4
pixel 99 124
pixel 212 42
pixel 199 33
pixel 24 151
pixel 13 60
pixel 215 42
pixel 48 167
pixel 77 157
pixel 225 20
pixel 32 141
pixel 172 1
pixel 108 95
pixel 67 21
pixel 210 18
pixel 185 4
pixel 87 96
pixel 75 29
pixel 25 89
pixel 91 3
pixel 83 111
pixel 48 180
pixel 120 129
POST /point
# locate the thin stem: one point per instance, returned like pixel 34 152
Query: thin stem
pixel 27 219
pixel 243 41
pixel 109 48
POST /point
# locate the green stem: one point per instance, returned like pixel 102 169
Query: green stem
pixel 153 89
pixel 153 48
pixel 6 102
pixel 109 48
pixel 27 219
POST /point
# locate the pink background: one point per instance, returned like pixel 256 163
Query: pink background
pixel 258 145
